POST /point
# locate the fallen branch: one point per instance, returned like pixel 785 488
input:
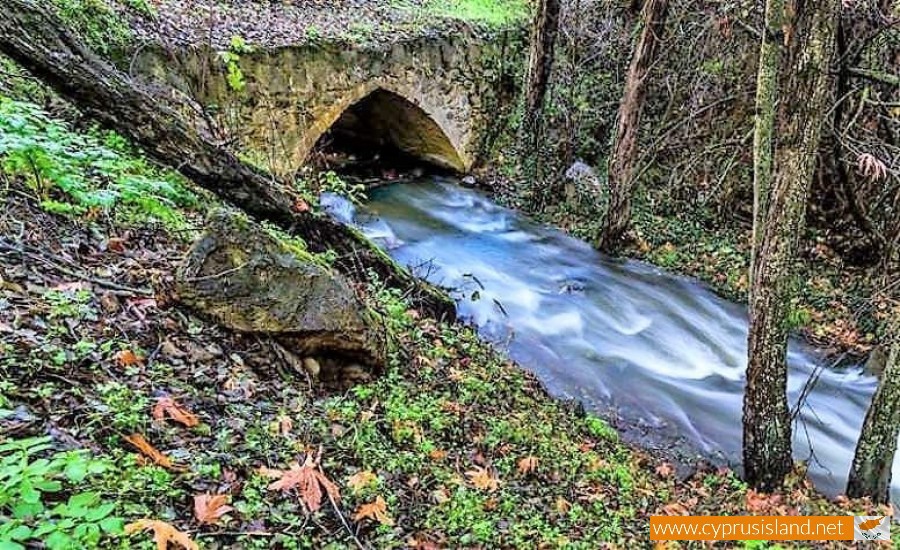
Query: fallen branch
pixel 877 76
pixel 37 39
pixel 52 260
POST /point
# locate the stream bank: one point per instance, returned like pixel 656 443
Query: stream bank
pixel 464 447
pixel 661 355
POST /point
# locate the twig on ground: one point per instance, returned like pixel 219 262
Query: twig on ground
pixel 53 260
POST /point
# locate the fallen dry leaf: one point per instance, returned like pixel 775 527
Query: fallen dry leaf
pixel 527 465
pixel 675 509
pixel 308 479
pixel 127 358
pixel 761 502
pixel 374 510
pixel 146 449
pixel 481 478
pixel 664 470
pixel 360 479
pixel 208 509
pixel 163 534
pixel 166 406
pixel 116 244
pixel 437 455
pixel 285 425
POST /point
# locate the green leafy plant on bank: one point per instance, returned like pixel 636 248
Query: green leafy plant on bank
pixel 35 506
pixel 97 23
pixel 75 173
pixel 232 59
pixel 492 13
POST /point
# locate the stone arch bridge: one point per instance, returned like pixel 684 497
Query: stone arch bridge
pixel 439 98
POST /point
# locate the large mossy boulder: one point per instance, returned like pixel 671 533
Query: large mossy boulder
pixel 243 277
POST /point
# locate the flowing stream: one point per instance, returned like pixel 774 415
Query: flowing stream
pixel 660 352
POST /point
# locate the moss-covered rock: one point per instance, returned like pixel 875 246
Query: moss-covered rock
pixel 242 277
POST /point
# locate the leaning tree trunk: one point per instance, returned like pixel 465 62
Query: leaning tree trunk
pixel 870 474
pixel 36 39
pixel 624 150
pixel 805 102
pixel 543 42
pixel 766 98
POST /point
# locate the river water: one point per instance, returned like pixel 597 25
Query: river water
pixel 661 352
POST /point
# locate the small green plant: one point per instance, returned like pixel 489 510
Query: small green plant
pixel 32 504
pixel 492 13
pixel 313 33
pixel 97 23
pixel 232 59
pixel 140 6
pixel 797 317
pixel 121 407
pixel 600 429
pixel 75 173
pixel 360 32
pixel 330 182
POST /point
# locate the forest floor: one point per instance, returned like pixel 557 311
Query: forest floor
pixel 273 24
pixel 117 404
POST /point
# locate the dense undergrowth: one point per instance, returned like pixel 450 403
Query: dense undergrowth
pixel 694 199
pixel 453 447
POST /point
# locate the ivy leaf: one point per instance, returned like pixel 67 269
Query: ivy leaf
pixel 112 526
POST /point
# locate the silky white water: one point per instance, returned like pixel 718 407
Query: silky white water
pixel 661 352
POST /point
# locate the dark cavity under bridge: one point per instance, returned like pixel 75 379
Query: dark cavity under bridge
pixel 438 99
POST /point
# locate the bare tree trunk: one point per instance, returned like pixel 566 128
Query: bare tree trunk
pixel 36 39
pixel 543 42
pixel 766 99
pixel 806 96
pixel 624 151
pixel 870 474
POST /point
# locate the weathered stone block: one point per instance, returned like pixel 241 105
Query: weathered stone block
pixel 245 279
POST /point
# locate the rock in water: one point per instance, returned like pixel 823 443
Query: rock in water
pixel 245 279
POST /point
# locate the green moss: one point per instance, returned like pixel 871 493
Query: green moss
pixel 97 23
pixel 492 13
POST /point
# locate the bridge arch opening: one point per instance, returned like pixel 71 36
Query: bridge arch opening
pixel 386 129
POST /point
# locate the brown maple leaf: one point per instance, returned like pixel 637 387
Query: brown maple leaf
pixel 163 534
pixel 437 454
pixel 166 406
pixel 481 478
pixel 146 449
pixel 308 480
pixel 208 509
pixel 527 465
pixel 761 502
pixel 360 479
pixel 664 470
pixel 675 509
pixel 376 510
pixel 127 358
